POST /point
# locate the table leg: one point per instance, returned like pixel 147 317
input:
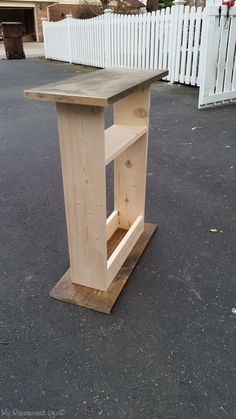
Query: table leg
pixel 81 136
pixel 130 166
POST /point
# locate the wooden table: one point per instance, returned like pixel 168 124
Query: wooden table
pixel 103 251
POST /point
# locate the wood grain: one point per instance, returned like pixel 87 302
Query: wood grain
pixel 124 248
pixel 99 88
pixel 81 135
pixel 112 224
pixel 103 301
pixel 130 165
pixel 120 137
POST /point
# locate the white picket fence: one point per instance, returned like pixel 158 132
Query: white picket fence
pixel 195 46
pixel 168 39
pixel 218 57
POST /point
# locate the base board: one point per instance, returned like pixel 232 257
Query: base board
pixel 103 301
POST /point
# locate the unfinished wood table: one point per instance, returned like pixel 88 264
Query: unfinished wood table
pixel 103 251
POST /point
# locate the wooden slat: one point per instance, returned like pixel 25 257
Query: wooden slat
pixel 112 224
pixel 115 240
pixel 99 88
pixel 119 137
pixel 122 251
pixel 102 301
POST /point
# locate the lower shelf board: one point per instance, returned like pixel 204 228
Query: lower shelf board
pixel 103 301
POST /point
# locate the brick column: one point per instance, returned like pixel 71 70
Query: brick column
pixel 40 12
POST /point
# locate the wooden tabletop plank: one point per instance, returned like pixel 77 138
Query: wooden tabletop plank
pixel 98 88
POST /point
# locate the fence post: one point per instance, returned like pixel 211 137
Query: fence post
pixel 69 18
pixel 107 32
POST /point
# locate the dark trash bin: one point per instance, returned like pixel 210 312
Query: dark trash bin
pixel 12 33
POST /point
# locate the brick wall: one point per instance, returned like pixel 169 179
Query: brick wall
pixel 59 11
pixel 55 13
pixel 39 12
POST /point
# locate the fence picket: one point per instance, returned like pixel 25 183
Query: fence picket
pixel 148 32
pixel 157 41
pixel 136 23
pixel 222 57
pixel 162 17
pixel 152 39
pixel 166 34
pixel 184 45
pixel 132 42
pixel 178 43
pixel 180 39
pixel 190 46
pixel 125 41
pixel 196 46
pixel 143 40
pixel 139 42
pixel 214 60
pixel 230 59
pixel 172 42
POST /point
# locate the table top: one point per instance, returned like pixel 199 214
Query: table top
pixel 97 88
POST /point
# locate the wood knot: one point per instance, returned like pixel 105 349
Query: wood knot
pixel 128 164
pixel 140 112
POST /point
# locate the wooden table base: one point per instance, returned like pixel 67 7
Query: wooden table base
pixel 103 301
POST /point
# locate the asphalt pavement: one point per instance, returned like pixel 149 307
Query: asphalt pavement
pixel 168 348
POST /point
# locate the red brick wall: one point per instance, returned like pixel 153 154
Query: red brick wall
pixel 40 11
pixel 59 11
pixel 55 12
